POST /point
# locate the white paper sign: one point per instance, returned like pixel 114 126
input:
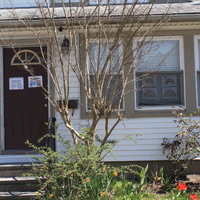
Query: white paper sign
pixel 34 81
pixel 16 83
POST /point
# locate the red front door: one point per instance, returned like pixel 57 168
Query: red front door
pixel 25 107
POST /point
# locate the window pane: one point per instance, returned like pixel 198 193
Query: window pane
pixel 104 1
pixel 98 55
pixel 21 3
pixel 67 1
pixel 199 52
pixel 104 65
pixel 31 58
pixel 198 86
pixel 159 56
pixel 112 88
pixel 26 56
pixel 198 73
pixel 159 89
pixel 160 78
pixel 99 58
pixel 17 60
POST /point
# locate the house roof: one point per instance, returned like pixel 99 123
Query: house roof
pixel 186 11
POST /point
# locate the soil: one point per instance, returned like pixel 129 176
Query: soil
pixel 192 181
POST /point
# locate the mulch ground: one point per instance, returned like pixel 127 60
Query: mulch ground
pixel 192 181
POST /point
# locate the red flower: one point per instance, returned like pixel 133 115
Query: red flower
pixel 194 196
pixel 181 186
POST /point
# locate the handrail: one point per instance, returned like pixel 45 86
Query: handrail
pixel 50 141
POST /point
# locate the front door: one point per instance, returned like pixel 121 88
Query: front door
pixel 25 106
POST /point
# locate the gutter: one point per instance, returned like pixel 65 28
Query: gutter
pixel 7 18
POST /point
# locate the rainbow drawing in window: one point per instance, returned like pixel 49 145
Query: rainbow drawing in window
pixel 149 81
pixel 169 93
pixel 169 80
pixel 149 93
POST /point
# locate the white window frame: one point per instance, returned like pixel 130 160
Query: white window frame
pixel 197 67
pixel 88 70
pixel 181 60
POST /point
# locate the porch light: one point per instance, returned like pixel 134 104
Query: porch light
pixel 65 46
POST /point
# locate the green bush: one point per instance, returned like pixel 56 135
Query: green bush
pixel 185 146
pixel 75 174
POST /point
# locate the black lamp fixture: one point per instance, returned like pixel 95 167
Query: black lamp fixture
pixel 65 46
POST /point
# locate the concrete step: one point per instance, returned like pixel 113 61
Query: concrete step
pixel 14 186
pixel 14 170
pixel 13 195
pixel 8 184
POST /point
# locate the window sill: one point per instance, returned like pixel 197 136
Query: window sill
pixel 160 107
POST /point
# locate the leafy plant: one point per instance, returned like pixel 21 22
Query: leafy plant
pixel 142 180
pixel 159 178
pixel 185 146
pixel 75 173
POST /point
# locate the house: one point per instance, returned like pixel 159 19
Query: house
pixel 23 106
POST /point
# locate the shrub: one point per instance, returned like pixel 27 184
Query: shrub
pixel 75 174
pixel 185 146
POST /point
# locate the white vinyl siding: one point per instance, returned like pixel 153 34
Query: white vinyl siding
pixel 95 2
pixel 21 3
pixel 147 146
pixel 160 74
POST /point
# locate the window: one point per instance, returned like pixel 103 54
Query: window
pixel 104 75
pixel 26 57
pixel 159 74
pixel 197 64
pixel 21 3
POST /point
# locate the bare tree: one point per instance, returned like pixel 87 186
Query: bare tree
pixel 94 44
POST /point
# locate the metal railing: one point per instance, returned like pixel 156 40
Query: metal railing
pixel 50 141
